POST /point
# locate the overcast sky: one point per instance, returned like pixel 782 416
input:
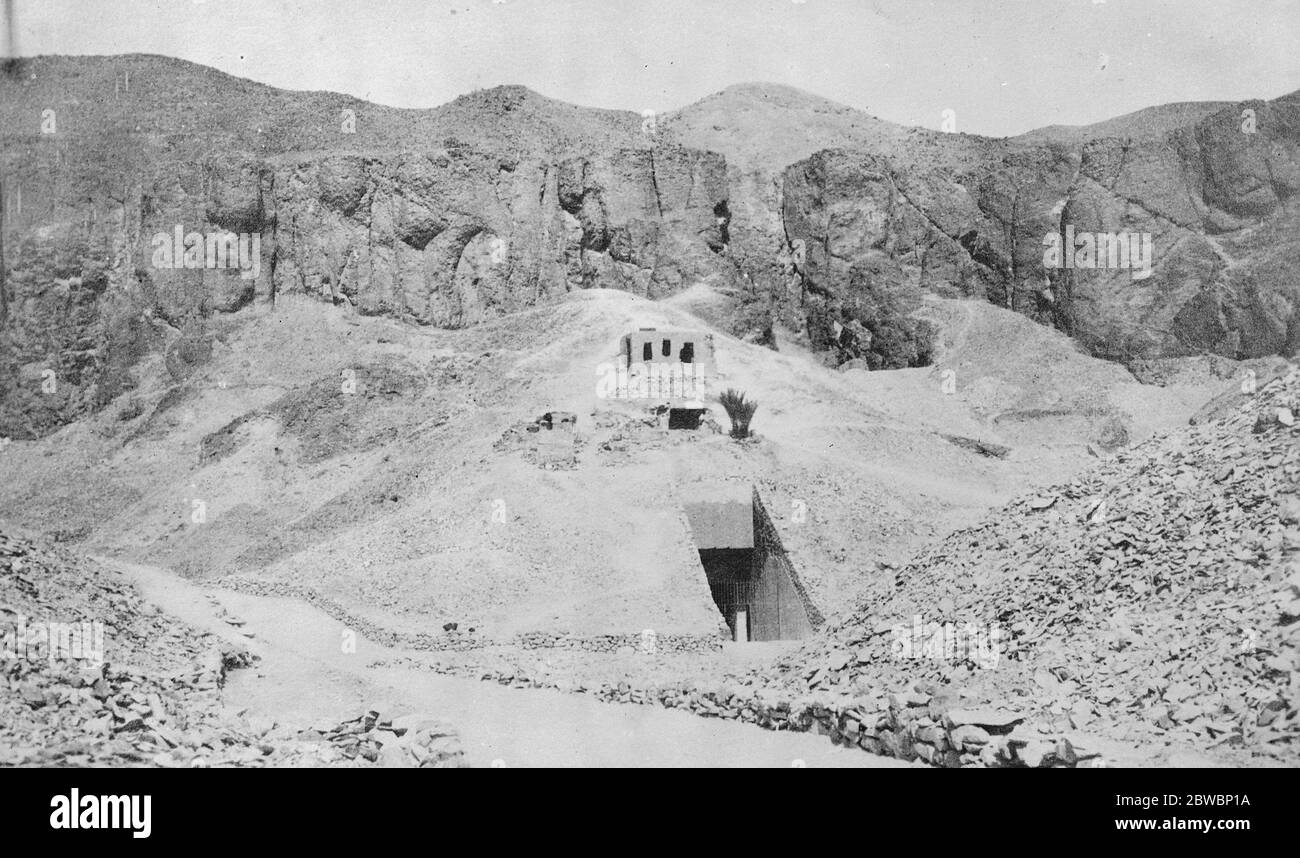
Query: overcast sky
pixel 1004 66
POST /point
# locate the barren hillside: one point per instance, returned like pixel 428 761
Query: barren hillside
pixel 386 468
pixel 1147 122
pixel 1152 599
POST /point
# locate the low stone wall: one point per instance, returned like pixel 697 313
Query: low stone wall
pixel 912 725
pixel 908 726
pixel 459 641
pixel 615 643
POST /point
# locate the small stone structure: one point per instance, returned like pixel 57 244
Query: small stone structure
pixel 686 418
pixel 550 441
pixel 459 640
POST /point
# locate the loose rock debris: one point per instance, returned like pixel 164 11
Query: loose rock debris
pixel 153 696
pixel 1154 599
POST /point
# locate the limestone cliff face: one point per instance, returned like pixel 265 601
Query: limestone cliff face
pixel 1219 203
pixel 1222 205
pixel 455 236
pixel 504 199
pixel 507 203
pixel 958 234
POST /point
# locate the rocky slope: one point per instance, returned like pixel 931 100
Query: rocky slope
pixel 144 689
pixel 1154 599
pixel 1147 122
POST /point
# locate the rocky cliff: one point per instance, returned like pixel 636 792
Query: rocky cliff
pixel 447 217
pixel 125 180
pixel 838 203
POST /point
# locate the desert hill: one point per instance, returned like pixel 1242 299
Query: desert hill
pixel 881 211
pixel 413 497
pixel 1147 122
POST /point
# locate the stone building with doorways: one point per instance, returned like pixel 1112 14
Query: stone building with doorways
pixel 672 366
pixel 655 347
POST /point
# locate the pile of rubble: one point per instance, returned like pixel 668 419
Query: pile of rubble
pixel 95 676
pixel 409 741
pixel 1154 600
pixel 622 435
pixel 551 442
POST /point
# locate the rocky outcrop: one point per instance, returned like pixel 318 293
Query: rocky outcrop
pixel 492 204
pixel 1218 201
pixel 455 236
pixel 864 229
pixel 503 199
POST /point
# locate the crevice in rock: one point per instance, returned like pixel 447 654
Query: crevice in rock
pixel 654 183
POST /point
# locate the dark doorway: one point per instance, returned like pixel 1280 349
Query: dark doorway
pixel 728 571
pixel 687 354
pixel 753 583
pixel 684 418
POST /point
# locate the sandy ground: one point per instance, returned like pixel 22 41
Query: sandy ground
pixel 306 676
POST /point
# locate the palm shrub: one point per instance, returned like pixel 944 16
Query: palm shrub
pixel 740 410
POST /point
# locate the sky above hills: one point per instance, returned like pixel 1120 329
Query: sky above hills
pixel 1002 66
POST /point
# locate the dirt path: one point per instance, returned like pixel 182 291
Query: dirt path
pixel 306 675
